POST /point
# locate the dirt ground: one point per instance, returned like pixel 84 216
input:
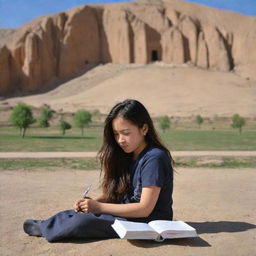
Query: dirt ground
pixel 219 203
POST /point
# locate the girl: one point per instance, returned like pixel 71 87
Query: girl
pixel 137 182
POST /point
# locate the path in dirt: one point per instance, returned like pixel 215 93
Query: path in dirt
pixel 4 155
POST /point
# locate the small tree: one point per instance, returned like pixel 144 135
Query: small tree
pixel 64 126
pixel 22 117
pixel 238 122
pixel 82 119
pixel 199 120
pixel 46 115
pixel 164 123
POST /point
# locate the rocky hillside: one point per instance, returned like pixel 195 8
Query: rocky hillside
pixel 56 47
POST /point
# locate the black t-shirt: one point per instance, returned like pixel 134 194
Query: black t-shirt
pixel 152 168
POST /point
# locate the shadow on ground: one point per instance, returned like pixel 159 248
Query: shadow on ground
pixel 221 226
pixel 62 137
pixel 192 242
pixel 202 228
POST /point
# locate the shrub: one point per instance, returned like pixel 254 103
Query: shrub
pixel 46 115
pixel 199 120
pixel 164 122
pixel 64 126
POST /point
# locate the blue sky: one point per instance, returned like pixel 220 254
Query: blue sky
pixel 14 13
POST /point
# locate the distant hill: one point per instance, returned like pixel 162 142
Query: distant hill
pixel 178 91
pixel 56 47
pixel 178 58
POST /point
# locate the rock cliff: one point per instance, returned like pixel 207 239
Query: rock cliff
pixel 56 47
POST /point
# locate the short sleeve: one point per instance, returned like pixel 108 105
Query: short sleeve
pixel 152 172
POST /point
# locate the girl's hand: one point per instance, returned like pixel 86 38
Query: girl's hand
pixel 76 206
pixel 88 205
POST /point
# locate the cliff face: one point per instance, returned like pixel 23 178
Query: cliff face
pixel 58 46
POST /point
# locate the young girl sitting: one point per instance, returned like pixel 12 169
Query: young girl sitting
pixel 137 181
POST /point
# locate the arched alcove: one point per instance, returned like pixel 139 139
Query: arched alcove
pixel 154 55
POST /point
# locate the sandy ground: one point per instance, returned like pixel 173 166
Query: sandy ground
pixel 219 203
pixel 164 89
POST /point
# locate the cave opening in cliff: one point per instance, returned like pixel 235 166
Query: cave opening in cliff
pixel 154 55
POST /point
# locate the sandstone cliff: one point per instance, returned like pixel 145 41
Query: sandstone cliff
pixel 56 47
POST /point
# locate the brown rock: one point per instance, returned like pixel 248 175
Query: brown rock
pixel 152 15
pixel 32 63
pixel 154 49
pixel 5 70
pixel 243 51
pixel 139 40
pixel 49 50
pixel 57 47
pixel 118 36
pixel 218 55
pixel 172 15
pixel 189 31
pixel 80 45
pixel 202 53
pixel 173 46
pixel 145 43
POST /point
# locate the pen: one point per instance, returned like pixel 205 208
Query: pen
pixel 87 191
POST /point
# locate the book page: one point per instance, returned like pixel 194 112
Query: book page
pixel 135 226
pixel 134 230
pixel 173 229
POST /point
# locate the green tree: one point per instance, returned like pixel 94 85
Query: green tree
pixel 164 122
pixel 82 119
pixel 22 117
pixel 238 122
pixel 46 115
pixel 64 126
pixel 199 120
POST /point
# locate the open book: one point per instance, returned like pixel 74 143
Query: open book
pixel 156 230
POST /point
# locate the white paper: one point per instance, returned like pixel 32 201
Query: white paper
pixel 134 230
pixel 173 229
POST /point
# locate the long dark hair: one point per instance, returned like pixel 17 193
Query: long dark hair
pixel 115 163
